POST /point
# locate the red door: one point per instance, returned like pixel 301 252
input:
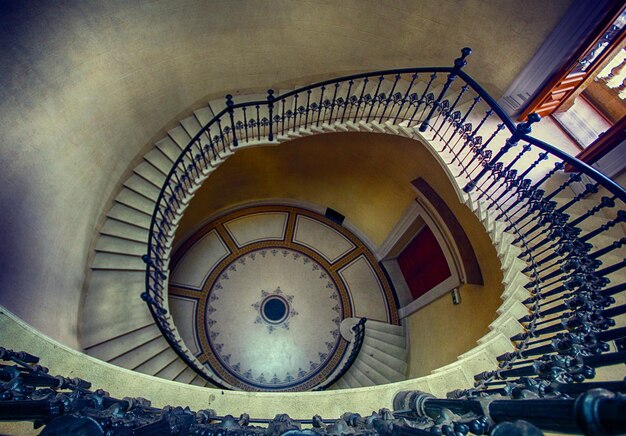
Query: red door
pixel 423 263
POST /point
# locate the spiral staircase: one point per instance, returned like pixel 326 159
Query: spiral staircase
pixel 559 238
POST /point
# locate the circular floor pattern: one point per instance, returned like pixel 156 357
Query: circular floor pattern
pixel 258 296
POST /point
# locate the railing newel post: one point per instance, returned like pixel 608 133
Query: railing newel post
pixel 459 63
pixel 229 105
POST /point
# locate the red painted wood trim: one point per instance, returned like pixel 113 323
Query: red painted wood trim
pixel 543 96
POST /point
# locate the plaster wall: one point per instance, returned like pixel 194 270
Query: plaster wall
pixel 88 86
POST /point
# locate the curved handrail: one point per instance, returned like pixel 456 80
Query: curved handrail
pixel 576 163
pixel 496 178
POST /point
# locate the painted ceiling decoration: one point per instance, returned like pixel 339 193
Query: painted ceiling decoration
pixel 258 296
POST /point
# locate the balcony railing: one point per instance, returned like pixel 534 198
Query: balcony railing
pixel 67 406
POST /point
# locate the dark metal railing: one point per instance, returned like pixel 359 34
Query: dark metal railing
pixel 357 343
pixel 567 225
pixel 65 406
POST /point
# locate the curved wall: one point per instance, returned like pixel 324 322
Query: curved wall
pixel 87 86
pixel 366 177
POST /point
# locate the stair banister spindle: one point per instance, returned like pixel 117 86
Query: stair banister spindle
pixel 282 117
pixel 375 98
pixel 407 93
pixel 521 130
pixel 464 88
pixel 334 102
pixel 389 97
pixel 319 105
pixel 270 107
pixel 484 145
pixel 360 100
pixel 347 100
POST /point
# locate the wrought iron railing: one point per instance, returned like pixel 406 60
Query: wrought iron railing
pixel 509 175
pixel 67 406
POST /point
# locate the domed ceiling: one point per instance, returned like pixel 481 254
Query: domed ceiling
pixel 259 295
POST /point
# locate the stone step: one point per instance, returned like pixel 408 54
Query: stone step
pixel 159 160
pixel 390 375
pixel 123 230
pixel 370 372
pixel 395 351
pixel 169 148
pixel 498 344
pixel 350 379
pixel 508 327
pixel 158 362
pixel 180 136
pixel 186 376
pixel 116 346
pixel 204 115
pixel 135 201
pixel 388 338
pixel 113 305
pixel 361 377
pixel 191 126
pixel 514 275
pixel 139 356
pixel 519 295
pixel 113 261
pixel 199 381
pixel 141 186
pixel 384 327
pixel 340 384
pixel 173 370
pixel 150 173
pixel 520 281
pixel 123 213
pixel 111 244
pixel 385 358
pixel 471 365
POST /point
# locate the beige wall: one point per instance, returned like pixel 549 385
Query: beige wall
pixel 87 86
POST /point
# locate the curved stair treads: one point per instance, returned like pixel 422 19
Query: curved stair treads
pixel 112 309
pixel 115 322
pixel 382 358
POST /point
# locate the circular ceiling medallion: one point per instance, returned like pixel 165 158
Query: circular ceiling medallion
pixel 260 337
pixel 275 309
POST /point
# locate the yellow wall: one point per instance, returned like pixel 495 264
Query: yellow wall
pixel 367 177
